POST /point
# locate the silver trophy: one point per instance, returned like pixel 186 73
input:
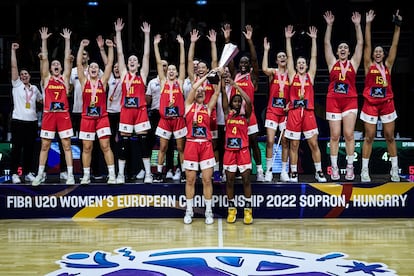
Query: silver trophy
pixel 229 52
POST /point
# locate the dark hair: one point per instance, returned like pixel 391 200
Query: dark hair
pixel 383 48
pixel 233 97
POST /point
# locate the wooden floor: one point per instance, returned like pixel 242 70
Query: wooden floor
pixel 31 247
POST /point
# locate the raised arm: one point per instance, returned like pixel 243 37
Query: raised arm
pixel 14 68
pixel 289 32
pixel 212 36
pixel 110 62
pixel 369 17
pixel 357 56
pixel 81 74
pixel 389 62
pixel 226 29
pixel 101 45
pixel 265 62
pixel 181 69
pixel 224 97
pixel 191 95
pixel 217 87
pixel 194 36
pixel 68 57
pixel 44 60
pixel 314 51
pixel 146 28
pixel 253 55
pixel 160 70
pixel 329 55
pixel 246 98
pixel 119 25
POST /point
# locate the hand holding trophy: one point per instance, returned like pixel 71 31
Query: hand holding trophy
pixel 229 52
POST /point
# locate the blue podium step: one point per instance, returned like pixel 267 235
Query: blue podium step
pixel 306 199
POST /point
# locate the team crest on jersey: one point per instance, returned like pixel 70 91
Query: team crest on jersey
pixel 214 261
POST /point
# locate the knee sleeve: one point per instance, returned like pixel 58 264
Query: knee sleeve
pixel 123 147
pixel 145 145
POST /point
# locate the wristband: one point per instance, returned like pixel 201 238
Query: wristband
pixel 396 20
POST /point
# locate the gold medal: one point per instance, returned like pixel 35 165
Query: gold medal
pixel 194 123
pixel 281 94
pixel 92 104
pixel 27 105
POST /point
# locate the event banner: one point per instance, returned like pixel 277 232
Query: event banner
pixel 280 200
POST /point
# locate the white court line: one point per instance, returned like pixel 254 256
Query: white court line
pixel 220 232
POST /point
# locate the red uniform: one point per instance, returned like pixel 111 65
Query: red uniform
pixel 94 113
pixel 134 115
pixel 209 91
pixel 378 96
pixel 301 115
pixel 171 112
pixel 278 98
pixel 56 110
pixel 342 96
pixel 237 152
pixel 244 82
pixel 198 151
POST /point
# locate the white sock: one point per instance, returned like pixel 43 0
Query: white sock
pixel 121 166
pixel 269 164
pixel 334 161
pixel 189 203
pixel 365 162
pixel 318 166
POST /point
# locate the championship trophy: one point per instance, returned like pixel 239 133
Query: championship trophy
pixel 229 52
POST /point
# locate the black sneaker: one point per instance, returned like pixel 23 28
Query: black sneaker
pixel 157 178
pixel 182 177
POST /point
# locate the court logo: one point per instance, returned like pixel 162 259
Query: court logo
pixel 214 261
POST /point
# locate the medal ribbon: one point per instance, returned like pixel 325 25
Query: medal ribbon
pixel 111 97
pixel 94 87
pixel 29 93
pixel 344 69
pixel 381 68
pixel 281 81
pixel 128 82
pixel 302 80
pixel 196 110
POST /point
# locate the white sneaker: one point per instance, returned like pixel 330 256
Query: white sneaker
pixel 177 174
pixel 169 175
pixel 365 175
pixel 29 177
pixel 111 179
pixel 335 173
pixel 209 217
pixel 16 179
pixel 260 176
pixel 63 175
pixel 71 180
pixel 349 173
pixel 140 175
pixel 269 176
pixel 148 178
pixel 320 177
pixel 394 175
pixel 120 179
pixel 40 178
pixel 188 218
pixel 85 180
pixel 284 176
